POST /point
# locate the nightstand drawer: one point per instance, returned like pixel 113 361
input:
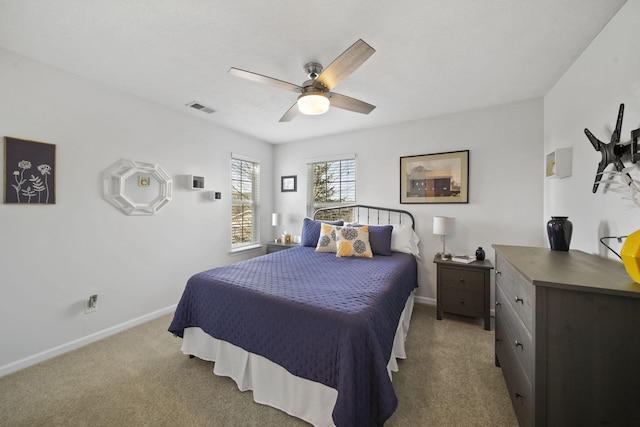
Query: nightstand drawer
pixel 277 247
pixel 462 302
pixel 463 279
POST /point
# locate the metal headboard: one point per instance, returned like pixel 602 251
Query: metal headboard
pixel 366 214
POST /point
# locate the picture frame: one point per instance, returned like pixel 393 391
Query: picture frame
pixel 289 183
pixel 29 172
pixel 435 178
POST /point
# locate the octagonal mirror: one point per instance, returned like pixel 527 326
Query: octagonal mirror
pixel 137 188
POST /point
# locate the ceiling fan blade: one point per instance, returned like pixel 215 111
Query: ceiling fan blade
pixel 264 79
pixel 291 113
pixel 345 64
pixel 348 103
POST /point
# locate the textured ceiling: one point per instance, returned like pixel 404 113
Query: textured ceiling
pixel 432 57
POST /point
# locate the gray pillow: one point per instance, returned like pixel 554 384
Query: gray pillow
pixel 311 231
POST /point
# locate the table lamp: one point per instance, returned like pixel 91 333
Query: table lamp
pixel 276 220
pixel 443 226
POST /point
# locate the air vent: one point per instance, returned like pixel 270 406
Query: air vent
pixel 199 106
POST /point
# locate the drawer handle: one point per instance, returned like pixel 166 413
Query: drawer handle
pixel 461 280
pixel 498 273
pixel 519 300
pixel 498 340
pixel 461 301
pixel 518 395
pixel 498 304
pixel 518 343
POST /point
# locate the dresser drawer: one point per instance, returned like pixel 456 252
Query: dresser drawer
pixel 462 302
pixel 463 279
pixel 514 334
pixel 518 384
pixel 517 290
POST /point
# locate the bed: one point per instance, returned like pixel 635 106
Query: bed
pixel 312 332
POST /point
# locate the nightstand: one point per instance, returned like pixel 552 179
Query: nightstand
pixel 275 247
pixel 464 289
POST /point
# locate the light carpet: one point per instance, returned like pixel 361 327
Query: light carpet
pixel 140 378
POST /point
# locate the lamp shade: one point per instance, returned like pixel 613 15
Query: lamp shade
pixel 276 219
pixel 442 225
pixel 313 104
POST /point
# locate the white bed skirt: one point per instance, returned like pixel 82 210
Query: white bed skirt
pixel 273 385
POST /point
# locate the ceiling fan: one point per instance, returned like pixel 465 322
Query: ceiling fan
pixel 315 93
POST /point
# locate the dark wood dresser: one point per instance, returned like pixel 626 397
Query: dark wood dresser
pixel 567 337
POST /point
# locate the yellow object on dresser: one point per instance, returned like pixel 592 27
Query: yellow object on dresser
pixel 630 255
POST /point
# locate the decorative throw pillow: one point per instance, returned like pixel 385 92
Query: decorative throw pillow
pixel 379 237
pixel 353 241
pixel 327 240
pixel 311 231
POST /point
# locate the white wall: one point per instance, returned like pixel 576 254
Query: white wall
pixel 505 206
pixel 53 257
pixel 588 96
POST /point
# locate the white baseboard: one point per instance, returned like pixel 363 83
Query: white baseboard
pixel 425 300
pixel 64 348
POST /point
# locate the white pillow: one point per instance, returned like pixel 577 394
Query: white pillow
pixel 404 239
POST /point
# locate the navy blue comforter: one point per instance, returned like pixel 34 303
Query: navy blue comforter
pixel 321 317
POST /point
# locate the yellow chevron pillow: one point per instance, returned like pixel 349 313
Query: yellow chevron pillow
pixel 353 241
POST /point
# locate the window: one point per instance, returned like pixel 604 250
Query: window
pixel 245 190
pixel 331 183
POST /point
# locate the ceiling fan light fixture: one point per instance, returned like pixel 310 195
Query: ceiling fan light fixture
pixel 313 104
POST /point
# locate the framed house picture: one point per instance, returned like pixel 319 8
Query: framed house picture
pixel 435 178
pixel 289 183
pixel 29 172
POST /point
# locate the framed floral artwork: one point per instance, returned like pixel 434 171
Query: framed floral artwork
pixel 435 178
pixel 29 172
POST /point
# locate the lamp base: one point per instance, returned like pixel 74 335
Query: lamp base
pixel 444 255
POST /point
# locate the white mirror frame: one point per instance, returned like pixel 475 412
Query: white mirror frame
pixel 115 189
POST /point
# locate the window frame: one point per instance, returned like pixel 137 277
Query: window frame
pixel 253 202
pixel 342 182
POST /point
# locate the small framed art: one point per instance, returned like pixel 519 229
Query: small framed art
pixel 289 183
pixel 435 178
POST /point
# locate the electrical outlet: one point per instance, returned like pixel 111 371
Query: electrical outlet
pixel 92 304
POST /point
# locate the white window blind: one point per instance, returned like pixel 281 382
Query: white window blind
pixel 245 203
pixel 330 183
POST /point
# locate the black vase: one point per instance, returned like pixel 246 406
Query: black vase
pixel 480 254
pixel 559 229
